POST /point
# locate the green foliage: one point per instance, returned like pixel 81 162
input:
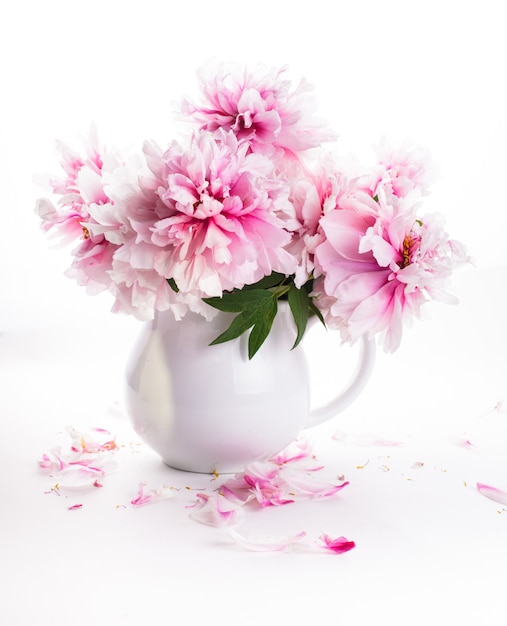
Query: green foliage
pixel 172 284
pixel 257 305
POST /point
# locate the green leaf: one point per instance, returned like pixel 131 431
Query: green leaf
pixel 239 300
pixel 262 327
pixel 299 304
pixel 316 311
pixel 274 279
pixel 257 310
pixel 173 285
pixel 240 324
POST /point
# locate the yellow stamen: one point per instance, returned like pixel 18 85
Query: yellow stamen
pixel 407 250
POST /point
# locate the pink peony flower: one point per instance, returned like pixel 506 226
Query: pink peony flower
pixel 312 192
pixel 217 226
pixel 258 107
pixel 86 212
pixel 402 169
pixel 377 270
pixel 248 195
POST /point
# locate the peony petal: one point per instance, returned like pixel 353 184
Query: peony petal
pixel 216 510
pixel 151 496
pixel 294 452
pixel 337 546
pixel 266 543
pixel 74 507
pixel 86 459
pixel 308 486
pixel 492 493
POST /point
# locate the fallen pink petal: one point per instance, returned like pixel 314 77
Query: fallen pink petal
pixel 337 546
pixel 86 459
pixel 493 493
pixel 299 449
pixel 232 496
pixel 307 486
pixel 261 481
pixel 45 462
pixel 266 543
pixel 74 507
pixel 465 443
pixel 284 479
pixel 216 510
pixel 149 496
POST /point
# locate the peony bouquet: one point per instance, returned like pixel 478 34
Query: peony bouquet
pixel 249 207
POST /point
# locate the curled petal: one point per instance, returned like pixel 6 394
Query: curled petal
pixel 216 510
pixel 492 493
pixel 78 475
pixel 83 461
pixel 45 462
pixel 74 507
pixel 150 496
pixel 307 486
pixel 266 543
pixel 294 452
pixel 337 546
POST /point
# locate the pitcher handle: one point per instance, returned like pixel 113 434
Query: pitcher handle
pixel 366 360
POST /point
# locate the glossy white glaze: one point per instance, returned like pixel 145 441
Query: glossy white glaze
pixel 209 408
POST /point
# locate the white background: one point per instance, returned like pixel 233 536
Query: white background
pixel 430 71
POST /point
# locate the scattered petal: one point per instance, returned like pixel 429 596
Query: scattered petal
pixel 492 493
pixel 74 507
pixel 299 449
pixel 151 496
pixel 292 543
pixel 337 546
pixel 45 462
pixel 86 459
pixel 216 510
pixel 307 486
pixel 266 543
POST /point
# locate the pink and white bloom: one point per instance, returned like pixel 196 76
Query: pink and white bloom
pixel 248 193
pixel 259 106
pixel 218 227
pixel 378 268
pixel 86 211
pixel 313 189
pixel 402 168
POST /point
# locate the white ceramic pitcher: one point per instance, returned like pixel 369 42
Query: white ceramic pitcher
pixel 209 408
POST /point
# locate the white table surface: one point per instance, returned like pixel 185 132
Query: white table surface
pixel 430 549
